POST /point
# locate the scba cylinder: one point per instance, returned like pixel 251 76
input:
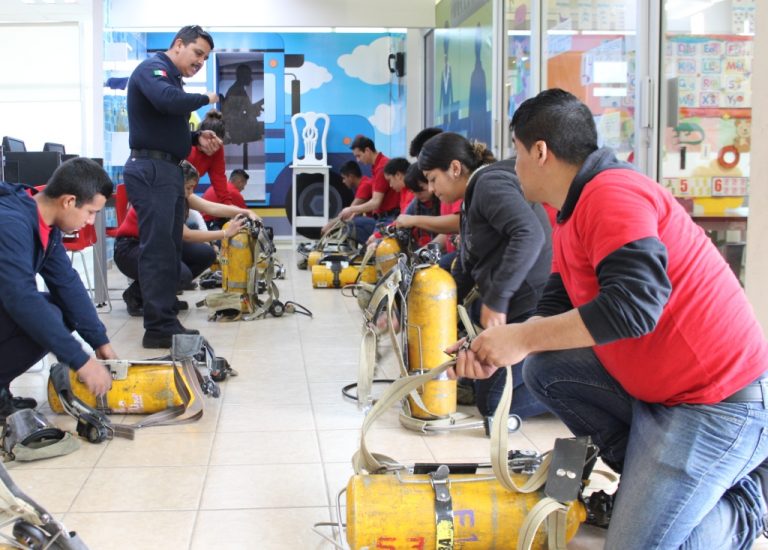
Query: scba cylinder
pixel 398 512
pixel 338 274
pixel 432 323
pixel 146 389
pixel 385 257
pixel 313 258
pixel 236 260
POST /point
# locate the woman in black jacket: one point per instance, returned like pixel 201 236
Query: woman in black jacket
pixel 505 251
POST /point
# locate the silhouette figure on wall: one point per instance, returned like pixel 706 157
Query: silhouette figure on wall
pixel 240 114
pixel 479 119
pixel 446 86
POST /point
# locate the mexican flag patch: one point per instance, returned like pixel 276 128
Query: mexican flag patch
pixel 160 72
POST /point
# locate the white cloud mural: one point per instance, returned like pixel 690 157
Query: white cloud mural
pixel 384 119
pixel 312 76
pixel 369 63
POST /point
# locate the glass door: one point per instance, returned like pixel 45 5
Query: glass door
pixel 706 115
pixel 589 50
pixel 520 71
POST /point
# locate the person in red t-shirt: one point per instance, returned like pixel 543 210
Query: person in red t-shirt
pixel 644 340
pixel 354 180
pixel 384 203
pixel 213 164
pixel 238 179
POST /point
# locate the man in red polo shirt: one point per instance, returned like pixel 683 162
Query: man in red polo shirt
pixel 643 340
pixel 384 204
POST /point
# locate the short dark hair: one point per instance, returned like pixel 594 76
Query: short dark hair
pixel 397 165
pixel 239 172
pixel 189 171
pixel 190 33
pixel 421 138
pixel 361 142
pixel 82 177
pixel 440 150
pixel 415 178
pixel 351 168
pixel 561 120
pixel 214 122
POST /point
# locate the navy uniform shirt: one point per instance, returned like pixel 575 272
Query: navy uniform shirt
pixel 159 108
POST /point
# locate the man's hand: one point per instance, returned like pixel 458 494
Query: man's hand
pixel 347 214
pixel 213 97
pixel 96 377
pixel 208 142
pixel 404 220
pixel 490 318
pixel 106 352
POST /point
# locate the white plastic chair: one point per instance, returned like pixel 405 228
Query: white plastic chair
pixel 309 137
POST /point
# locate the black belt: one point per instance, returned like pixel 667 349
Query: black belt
pixel 156 155
pixel 756 392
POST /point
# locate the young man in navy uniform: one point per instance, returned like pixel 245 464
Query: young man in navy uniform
pixel 32 323
pixel 159 137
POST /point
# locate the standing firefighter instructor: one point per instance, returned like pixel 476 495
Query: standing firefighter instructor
pixel 158 114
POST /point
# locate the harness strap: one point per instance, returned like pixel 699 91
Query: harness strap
pixel 556 516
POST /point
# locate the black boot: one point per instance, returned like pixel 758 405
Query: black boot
pixel 10 404
pixel 133 300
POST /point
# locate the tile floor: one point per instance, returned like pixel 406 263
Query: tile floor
pixel 268 458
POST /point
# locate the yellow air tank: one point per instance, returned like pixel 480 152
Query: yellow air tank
pixel 385 512
pixel 140 389
pixel 314 258
pixel 338 274
pixel 431 329
pixel 386 255
pixel 236 260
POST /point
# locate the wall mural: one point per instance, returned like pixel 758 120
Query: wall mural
pixel 263 79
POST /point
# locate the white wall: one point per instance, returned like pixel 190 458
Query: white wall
pixel 172 14
pixel 757 244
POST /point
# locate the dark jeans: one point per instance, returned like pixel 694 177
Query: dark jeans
pixel 156 190
pixel 685 479
pixel 488 392
pixel 363 227
pixel 18 350
pixel 195 258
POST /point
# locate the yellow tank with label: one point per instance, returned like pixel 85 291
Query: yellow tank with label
pixel 138 389
pixel 236 259
pixel 384 512
pixel 314 258
pixel 432 321
pixel 338 274
pixel 385 257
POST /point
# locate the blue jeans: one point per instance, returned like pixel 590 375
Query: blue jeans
pixel 685 479
pixel 524 403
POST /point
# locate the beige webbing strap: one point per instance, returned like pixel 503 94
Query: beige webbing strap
pixel 556 516
pixel 364 460
pixel 367 366
pixel 191 407
pixel 366 258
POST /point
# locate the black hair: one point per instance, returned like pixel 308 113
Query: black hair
pixel 213 121
pixel 189 171
pixel 351 168
pixel 362 142
pixel 561 120
pixel 421 138
pixel 439 151
pixel 397 165
pixel 415 180
pixel 239 172
pixel 82 177
pixel 190 33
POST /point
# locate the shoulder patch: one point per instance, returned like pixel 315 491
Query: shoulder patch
pixel 160 72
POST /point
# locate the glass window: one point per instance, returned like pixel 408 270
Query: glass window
pixel 518 81
pixel 706 115
pixel 589 47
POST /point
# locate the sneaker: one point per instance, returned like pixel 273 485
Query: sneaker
pixel 158 339
pixel 599 509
